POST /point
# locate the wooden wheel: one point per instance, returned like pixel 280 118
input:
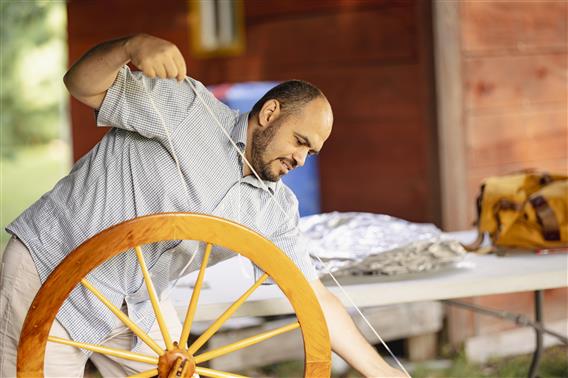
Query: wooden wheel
pixel 175 358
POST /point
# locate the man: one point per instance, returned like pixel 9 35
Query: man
pixel 164 153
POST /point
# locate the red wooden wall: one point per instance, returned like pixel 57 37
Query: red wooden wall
pixel 515 67
pixel 514 58
pixel 373 59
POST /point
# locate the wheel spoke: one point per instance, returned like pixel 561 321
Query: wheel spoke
pixel 127 355
pixel 224 316
pixel 154 299
pixel 125 319
pixel 194 298
pixel 145 374
pixel 244 343
pixel 205 372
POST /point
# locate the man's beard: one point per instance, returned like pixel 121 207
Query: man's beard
pixel 261 138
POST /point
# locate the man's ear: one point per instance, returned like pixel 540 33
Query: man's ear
pixel 269 112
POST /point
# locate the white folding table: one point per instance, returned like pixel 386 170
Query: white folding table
pixel 478 275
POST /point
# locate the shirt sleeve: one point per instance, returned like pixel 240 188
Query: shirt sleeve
pixel 292 241
pixel 144 105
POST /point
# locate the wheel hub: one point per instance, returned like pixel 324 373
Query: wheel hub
pixel 176 363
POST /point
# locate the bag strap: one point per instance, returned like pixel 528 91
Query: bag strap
pixel 474 246
pixel 546 218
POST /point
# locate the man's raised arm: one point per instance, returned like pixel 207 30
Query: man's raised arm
pixel 90 77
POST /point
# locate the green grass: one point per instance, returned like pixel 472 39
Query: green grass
pixel 554 364
pixel 26 175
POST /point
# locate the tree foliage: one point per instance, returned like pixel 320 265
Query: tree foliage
pixel 33 61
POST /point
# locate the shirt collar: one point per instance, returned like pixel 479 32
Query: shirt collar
pixel 252 180
pixel 239 136
pixel 239 132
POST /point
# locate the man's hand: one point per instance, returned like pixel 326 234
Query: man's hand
pixel 156 57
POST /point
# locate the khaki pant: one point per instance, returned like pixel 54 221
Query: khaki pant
pixel 19 283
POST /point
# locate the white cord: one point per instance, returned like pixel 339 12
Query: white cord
pixel 220 126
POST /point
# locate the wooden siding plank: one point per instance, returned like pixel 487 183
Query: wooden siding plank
pixel 514 26
pixel 549 147
pixel 497 82
pixel 510 126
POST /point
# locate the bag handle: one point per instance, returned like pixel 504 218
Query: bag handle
pixel 546 218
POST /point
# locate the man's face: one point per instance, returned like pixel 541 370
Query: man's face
pixel 286 141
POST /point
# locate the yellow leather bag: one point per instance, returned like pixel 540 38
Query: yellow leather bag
pixel 524 211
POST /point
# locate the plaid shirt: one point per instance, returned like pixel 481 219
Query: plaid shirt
pixel 130 173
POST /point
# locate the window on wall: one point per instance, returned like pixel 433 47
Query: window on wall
pixel 216 27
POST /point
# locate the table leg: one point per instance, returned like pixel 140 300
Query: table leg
pixel 422 347
pixel 538 332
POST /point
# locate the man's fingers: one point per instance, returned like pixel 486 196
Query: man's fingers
pixel 165 66
pixel 157 57
pixel 181 67
pixel 171 69
pixel 150 72
pixel 160 70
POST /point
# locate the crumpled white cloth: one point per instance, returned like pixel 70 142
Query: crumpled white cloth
pixel 354 243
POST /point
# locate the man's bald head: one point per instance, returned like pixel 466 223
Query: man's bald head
pixel 292 96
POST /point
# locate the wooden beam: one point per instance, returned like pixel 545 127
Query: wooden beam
pixel 451 128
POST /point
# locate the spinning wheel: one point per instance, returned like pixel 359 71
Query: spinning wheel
pixel 176 360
